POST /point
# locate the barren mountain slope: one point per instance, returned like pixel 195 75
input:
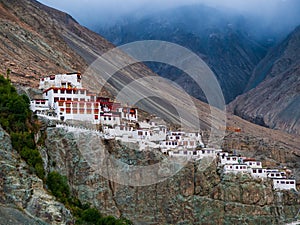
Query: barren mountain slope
pixel 275 102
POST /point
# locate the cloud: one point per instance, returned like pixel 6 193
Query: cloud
pixel 89 12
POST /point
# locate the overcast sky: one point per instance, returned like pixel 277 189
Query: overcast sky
pixel 89 12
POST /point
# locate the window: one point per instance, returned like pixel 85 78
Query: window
pixel 69 99
pixel 259 171
pixel 68 110
pixel 75 111
pixel 60 104
pixel 55 91
pixel 282 182
pixel 55 99
pixel 96 117
pixel 62 99
pixel 254 171
pixel 69 91
pixel 287 182
pixel 62 91
pixel 292 182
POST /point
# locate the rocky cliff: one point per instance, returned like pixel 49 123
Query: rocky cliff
pixel 197 194
pixel 275 101
pixel 23 197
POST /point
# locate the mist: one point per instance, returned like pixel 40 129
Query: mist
pixel 98 12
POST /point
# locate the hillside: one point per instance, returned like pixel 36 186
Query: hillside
pixel 275 102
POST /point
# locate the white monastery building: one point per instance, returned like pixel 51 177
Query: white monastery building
pixel 64 95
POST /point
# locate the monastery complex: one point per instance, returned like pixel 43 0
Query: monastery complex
pixel 64 99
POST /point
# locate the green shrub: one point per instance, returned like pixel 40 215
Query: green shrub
pixel 59 187
pixel 16 119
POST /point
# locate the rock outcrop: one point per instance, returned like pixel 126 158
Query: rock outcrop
pixel 22 194
pixel 195 195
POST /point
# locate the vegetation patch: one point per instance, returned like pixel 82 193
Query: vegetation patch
pixel 16 118
pixel 84 214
